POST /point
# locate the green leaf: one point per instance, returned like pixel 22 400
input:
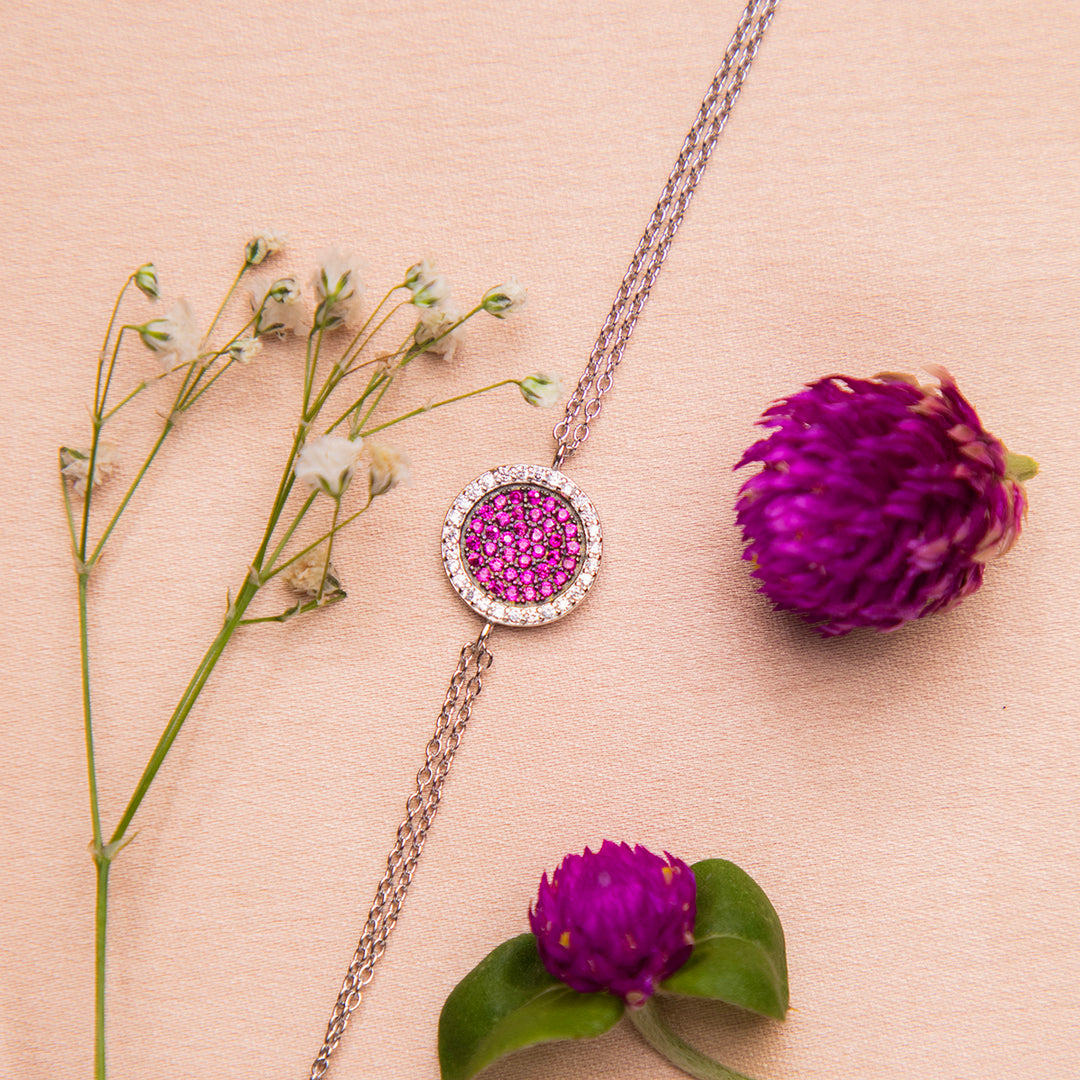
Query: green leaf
pixel 509 1001
pixel 739 954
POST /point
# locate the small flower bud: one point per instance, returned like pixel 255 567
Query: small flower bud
pixel 428 287
pixel 505 299
pixel 328 463
pixel 261 245
pixel 389 467
pixel 339 289
pixel 541 390
pixel 175 338
pixel 245 349
pixel 437 332
pixel 146 281
pixel 75 465
pixel 305 575
pixel 278 305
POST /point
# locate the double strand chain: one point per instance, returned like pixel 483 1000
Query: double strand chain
pixel 583 407
pixel 585 402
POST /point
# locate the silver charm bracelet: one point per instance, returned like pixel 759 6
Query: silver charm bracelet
pixel 522 543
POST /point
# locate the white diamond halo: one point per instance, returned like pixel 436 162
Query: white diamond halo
pixel 521 545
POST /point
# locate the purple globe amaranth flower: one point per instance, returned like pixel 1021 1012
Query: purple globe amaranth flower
pixel 879 502
pixel 619 919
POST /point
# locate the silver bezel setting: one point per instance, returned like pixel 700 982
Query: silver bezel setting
pixel 540 612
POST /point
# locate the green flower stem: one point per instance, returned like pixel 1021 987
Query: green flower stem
pixel 438 405
pixel 68 512
pixel 88 495
pixel 126 499
pixel 100 914
pixel 221 306
pixel 84 655
pixel 315 543
pixel 329 548
pixel 654 1030
pixel 375 380
pixel 311 362
pixel 184 706
pixel 367 323
pixel 275 554
pixel 138 390
pixel 384 384
pixel 192 396
pixel 99 406
pixel 298 609
pixel 105 344
pixel 345 359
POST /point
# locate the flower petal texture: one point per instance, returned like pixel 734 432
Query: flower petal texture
pixel 879 502
pixel 620 919
pixel 328 463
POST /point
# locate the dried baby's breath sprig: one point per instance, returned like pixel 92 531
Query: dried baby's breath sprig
pixel 321 459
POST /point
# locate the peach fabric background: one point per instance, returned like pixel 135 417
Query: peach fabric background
pixel 899 186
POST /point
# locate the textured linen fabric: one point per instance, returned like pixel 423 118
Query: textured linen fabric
pixel 898 186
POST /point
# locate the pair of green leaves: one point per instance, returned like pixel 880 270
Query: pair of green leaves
pixel 509 1001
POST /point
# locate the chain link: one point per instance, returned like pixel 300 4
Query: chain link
pixel 584 406
pixel 585 402
pixel 420 810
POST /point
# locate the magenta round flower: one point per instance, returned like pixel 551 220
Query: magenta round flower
pixel 880 501
pixel 620 919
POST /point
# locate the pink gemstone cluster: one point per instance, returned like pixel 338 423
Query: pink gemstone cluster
pixel 523 545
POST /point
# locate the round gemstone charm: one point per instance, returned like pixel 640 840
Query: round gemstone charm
pixel 521 545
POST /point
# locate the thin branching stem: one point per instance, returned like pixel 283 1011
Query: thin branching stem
pixel 298 517
pixel 329 548
pixel 315 543
pixel 105 344
pixel 438 405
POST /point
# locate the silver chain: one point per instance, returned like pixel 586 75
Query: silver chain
pixel 585 402
pixel 570 433
pixel 420 811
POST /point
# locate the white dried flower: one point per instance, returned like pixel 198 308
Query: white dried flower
pixel 541 389
pixel 245 349
pixel 174 338
pixel 328 463
pixel 76 464
pixel 305 575
pixel 146 281
pixel 427 285
pixel 261 245
pixel 389 467
pixel 278 305
pixel 436 331
pixel 505 299
pixel 339 289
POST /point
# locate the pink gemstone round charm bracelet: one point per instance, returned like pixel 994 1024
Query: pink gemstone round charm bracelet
pixel 522 543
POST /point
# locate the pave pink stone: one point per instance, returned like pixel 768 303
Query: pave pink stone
pixel 520 544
